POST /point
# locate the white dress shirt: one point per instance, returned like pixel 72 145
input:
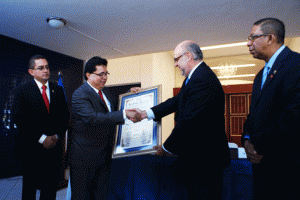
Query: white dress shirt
pixel 106 100
pixel 40 85
pixel 104 97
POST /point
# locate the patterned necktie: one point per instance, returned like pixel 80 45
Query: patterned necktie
pixel 46 100
pixel 265 74
pixel 100 94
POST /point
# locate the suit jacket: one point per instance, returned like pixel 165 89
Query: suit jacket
pixel 199 133
pixel 32 119
pixel 94 127
pixel 273 121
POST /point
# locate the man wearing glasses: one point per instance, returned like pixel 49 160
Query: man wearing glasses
pixel 94 121
pixel 270 133
pixel 198 138
pixel 41 114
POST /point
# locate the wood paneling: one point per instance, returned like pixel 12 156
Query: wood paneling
pixel 237 89
pixel 237 107
pixel 238 104
pixel 236 125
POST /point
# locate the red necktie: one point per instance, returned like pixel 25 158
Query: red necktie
pixel 46 100
pixel 100 94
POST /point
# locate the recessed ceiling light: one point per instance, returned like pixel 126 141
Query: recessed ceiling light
pixel 56 22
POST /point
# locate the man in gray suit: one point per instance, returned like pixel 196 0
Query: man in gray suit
pixel 93 133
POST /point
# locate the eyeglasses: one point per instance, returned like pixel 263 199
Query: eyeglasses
pixel 253 37
pixel 41 68
pixel 176 59
pixel 102 74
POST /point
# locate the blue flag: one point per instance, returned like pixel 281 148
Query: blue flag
pixel 60 83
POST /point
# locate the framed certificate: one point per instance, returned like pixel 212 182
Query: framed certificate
pixel 138 138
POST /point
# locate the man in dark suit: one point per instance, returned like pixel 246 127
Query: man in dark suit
pixel 41 124
pixel 270 133
pixel 198 138
pixel 93 133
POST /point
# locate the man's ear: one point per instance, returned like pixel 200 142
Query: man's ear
pixel 272 39
pixel 30 71
pixel 189 55
pixel 87 75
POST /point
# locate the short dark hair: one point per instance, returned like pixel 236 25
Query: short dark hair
pixel 90 65
pixel 272 26
pixel 33 59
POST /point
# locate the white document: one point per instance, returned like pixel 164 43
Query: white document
pixel 138 134
pixel 242 153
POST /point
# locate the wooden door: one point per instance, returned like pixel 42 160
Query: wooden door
pixel 237 104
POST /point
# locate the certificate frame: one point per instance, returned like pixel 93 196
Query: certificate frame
pixel 146 134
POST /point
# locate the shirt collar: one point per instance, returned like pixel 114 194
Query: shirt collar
pixel 40 85
pixel 192 71
pixel 96 90
pixel 275 55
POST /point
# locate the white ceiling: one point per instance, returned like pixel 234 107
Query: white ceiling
pixel 118 28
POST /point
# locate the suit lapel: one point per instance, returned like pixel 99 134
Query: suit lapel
pixel 198 73
pixel 276 66
pixel 36 94
pixel 256 91
pixel 110 98
pixel 53 95
pixel 271 76
pixel 95 97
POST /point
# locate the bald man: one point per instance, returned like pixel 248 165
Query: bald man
pixel 198 138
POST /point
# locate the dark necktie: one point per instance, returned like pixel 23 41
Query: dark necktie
pixel 100 94
pixel 46 100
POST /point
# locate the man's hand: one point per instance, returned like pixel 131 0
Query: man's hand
pixel 143 114
pixel 161 152
pixel 135 89
pixel 50 141
pixel 252 155
pixel 134 115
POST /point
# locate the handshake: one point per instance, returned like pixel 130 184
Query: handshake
pixel 136 114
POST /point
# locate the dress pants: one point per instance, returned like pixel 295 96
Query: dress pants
pixel 205 187
pixel 279 180
pixel 88 183
pixel 30 188
pixel 200 182
pixel 41 172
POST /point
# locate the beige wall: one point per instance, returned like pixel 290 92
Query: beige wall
pixel 158 68
pixel 294 44
pixel 151 70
